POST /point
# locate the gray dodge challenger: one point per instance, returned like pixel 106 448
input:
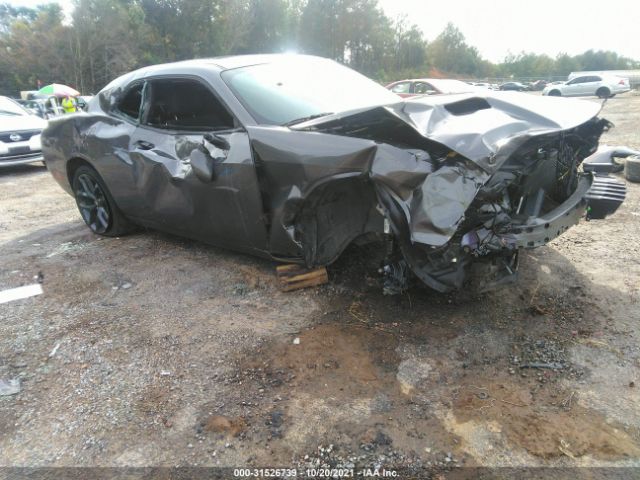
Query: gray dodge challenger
pixel 294 157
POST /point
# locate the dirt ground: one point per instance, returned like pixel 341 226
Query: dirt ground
pixel 169 352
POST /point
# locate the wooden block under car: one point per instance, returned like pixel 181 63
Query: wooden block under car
pixel 294 277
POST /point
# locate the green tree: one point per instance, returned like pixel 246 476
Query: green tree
pixel 34 48
pixel 409 47
pixel 103 41
pixel 450 52
pixel 180 29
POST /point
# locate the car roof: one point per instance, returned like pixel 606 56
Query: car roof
pixel 226 62
pixel 214 64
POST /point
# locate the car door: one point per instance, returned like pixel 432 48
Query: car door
pixel 592 84
pixel 576 87
pixel 182 115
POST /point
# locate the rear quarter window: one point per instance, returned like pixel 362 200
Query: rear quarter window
pixel 129 105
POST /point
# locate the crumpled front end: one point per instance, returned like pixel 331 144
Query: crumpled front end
pixel 500 176
pixel 535 196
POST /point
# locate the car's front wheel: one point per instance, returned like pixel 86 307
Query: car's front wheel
pixel 554 93
pixel 603 92
pixel 96 204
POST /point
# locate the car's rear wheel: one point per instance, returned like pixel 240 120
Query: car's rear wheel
pixel 554 93
pixel 96 204
pixel 603 92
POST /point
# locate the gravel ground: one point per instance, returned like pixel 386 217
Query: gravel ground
pixel 150 350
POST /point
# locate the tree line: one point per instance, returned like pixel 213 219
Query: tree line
pixel 105 38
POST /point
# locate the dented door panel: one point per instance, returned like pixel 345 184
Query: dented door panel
pixel 226 211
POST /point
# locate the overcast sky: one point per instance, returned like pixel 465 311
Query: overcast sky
pixel 497 27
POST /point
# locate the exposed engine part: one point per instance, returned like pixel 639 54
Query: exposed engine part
pixel 483 242
pixel 533 198
pixel 395 278
pixel 566 170
pixel 500 271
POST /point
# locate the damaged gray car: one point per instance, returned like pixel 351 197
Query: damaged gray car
pixel 293 158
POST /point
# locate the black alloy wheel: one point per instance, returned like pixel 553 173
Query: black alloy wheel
pixel 96 205
pixel 92 204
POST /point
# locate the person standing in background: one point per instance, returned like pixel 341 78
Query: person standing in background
pixel 68 105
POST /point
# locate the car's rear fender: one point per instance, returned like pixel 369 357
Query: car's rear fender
pixel 57 147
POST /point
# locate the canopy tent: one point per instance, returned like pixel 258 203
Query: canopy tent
pixel 59 90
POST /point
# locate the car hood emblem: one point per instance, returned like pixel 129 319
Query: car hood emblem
pixel 14 137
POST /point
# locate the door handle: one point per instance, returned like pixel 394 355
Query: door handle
pixel 143 145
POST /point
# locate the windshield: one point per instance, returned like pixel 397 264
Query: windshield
pixel 10 108
pixel 298 88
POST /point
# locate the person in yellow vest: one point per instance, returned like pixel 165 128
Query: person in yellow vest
pixel 68 105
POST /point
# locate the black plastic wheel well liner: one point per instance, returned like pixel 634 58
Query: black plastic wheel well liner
pixel 73 164
pixel 333 216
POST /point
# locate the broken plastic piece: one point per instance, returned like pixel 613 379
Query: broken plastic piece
pixel 9 387
pixel 55 350
pixel 604 197
pixel 20 292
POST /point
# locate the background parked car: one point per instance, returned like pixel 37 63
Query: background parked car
pixel 36 107
pixel 430 86
pixel 19 134
pixel 51 105
pixel 515 86
pixel 538 85
pixel 599 85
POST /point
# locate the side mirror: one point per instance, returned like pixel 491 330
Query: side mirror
pixel 217 141
pixel 202 165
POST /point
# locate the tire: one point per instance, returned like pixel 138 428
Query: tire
pixel 554 93
pixel 95 203
pixel 632 168
pixel 603 92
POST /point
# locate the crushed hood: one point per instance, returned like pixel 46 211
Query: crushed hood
pixel 484 128
pixel 487 129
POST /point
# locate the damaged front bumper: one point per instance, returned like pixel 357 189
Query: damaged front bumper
pixel 488 258
pixel 594 198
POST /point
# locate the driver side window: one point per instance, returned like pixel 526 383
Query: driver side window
pixel 403 87
pixel 130 103
pixel 184 104
pixel 577 80
pixel 422 88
